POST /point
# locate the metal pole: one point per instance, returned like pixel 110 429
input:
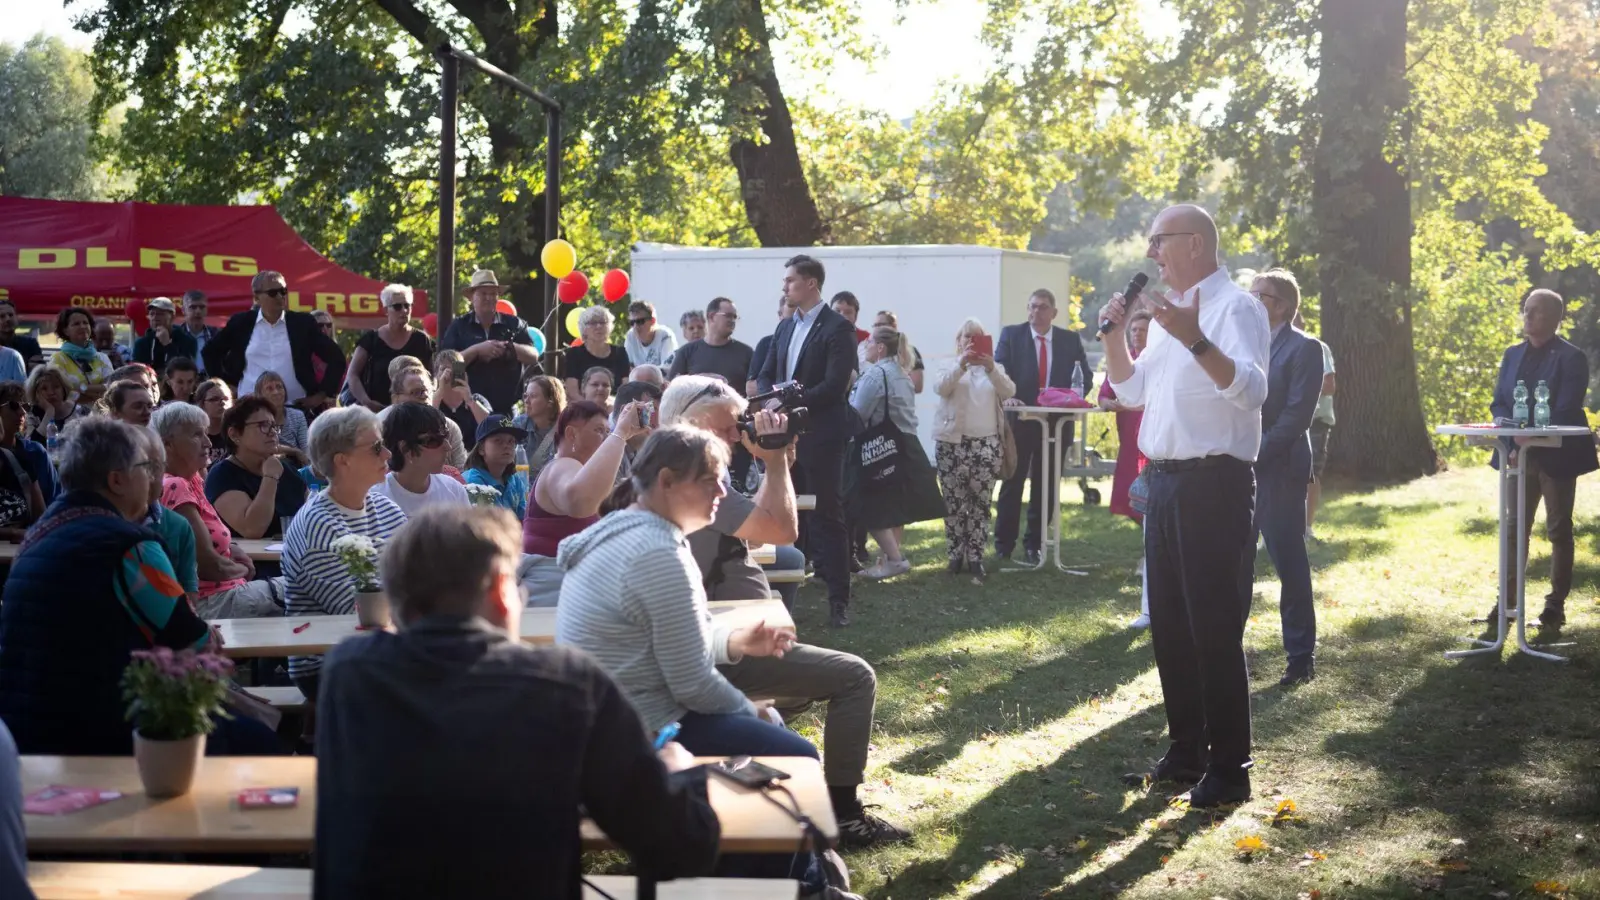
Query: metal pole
pixel 552 211
pixel 444 290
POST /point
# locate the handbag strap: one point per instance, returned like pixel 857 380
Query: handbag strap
pixel 885 375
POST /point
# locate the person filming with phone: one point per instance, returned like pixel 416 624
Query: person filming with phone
pixel 496 345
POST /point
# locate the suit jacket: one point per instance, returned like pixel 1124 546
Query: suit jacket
pixel 150 351
pixel 1294 383
pixel 1565 369
pixel 1019 353
pixel 826 362
pixel 224 354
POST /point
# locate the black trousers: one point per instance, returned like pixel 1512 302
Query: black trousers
pixel 1198 536
pixel 819 470
pixel 1008 511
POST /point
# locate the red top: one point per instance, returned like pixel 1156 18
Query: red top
pixel 542 532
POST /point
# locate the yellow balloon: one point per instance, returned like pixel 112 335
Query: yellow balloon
pixel 572 320
pixel 559 258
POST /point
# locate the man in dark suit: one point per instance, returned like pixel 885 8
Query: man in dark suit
pixel 1550 473
pixel 1036 355
pixel 817 347
pixel 268 337
pixel 1283 467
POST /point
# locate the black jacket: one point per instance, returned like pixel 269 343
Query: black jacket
pixel 156 355
pixel 823 368
pixel 224 354
pixel 452 762
pixel 1565 370
pixel 1019 353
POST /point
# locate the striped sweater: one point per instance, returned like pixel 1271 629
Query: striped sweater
pixel 318 583
pixel 632 598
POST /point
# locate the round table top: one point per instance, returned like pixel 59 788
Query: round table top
pixel 1487 429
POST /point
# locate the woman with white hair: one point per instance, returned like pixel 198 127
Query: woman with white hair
pixel 225 591
pixel 347 448
pixel 966 434
pixel 594 325
pixel 367 379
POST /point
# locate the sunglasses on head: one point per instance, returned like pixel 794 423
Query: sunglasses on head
pixel 276 292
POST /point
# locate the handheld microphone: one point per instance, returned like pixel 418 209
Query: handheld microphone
pixel 1129 294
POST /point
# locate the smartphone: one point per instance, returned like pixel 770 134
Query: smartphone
pixel 746 771
pixel 645 411
pixel 982 345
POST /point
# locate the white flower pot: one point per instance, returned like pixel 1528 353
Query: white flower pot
pixel 166 768
pixel 372 609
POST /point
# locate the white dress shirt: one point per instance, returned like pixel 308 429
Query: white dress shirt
pixel 797 339
pixel 269 351
pixel 1185 415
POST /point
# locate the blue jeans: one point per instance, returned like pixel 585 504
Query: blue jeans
pixel 787 556
pixel 1281 519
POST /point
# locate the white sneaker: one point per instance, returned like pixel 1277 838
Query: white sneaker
pixel 887 569
pixel 1140 623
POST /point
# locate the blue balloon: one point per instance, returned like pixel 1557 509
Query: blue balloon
pixel 537 337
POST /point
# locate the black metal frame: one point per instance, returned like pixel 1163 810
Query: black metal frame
pixel 450 60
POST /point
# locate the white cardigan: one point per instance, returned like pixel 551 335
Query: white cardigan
pixel 956 401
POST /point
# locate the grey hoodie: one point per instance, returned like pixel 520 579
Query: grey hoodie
pixel 632 599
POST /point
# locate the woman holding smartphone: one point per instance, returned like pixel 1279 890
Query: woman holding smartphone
pixel 966 432
pixel 454 396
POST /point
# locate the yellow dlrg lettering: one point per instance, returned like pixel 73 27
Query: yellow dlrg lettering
pixel 177 259
pixel 47 258
pixel 217 264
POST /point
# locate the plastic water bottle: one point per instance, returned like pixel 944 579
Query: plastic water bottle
pixel 1077 380
pixel 1541 406
pixel 52 438
pixel 522 457
pixel 1519 403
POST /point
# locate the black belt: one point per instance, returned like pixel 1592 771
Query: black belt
pixel 1169 466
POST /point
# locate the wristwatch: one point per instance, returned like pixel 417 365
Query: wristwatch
pixel 1199 347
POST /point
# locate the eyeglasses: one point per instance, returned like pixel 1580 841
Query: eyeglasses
pixel 12 405
pixel 1156 239
pixel 276 292
pixel 154 467
pixel 266 427
pixel 377 447
pixel 1263 295
pixel 637 322
pixel 431 441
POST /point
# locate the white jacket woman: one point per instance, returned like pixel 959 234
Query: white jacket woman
pixel 966 431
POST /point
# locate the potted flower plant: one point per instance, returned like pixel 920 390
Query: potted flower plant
pixel 483 494
pixel 172 699
pixel 360 557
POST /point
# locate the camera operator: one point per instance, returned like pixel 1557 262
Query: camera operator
pixel 805 673
pixel 817 347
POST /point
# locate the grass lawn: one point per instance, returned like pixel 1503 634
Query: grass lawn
pixel 1007 711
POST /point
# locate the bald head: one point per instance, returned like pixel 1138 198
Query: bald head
pixel 1183 242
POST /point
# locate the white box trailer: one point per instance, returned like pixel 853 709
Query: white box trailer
pixel 932 289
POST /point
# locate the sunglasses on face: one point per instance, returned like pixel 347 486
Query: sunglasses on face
pixel 12 406
pixel 276 292
pixel 400 307
pixel 637 322
pixel 431 441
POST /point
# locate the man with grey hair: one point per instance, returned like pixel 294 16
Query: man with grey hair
pixel 195 307
pixel 452 713
pixel 807 674
pixel 693 325
pixel 648 374
pixel 1201 380
pixel 269 337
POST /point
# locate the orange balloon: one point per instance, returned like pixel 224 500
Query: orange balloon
pixel 504 305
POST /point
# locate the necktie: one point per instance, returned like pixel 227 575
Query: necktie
pixel 1044 363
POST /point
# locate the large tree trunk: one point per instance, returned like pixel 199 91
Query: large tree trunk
pixel 1362 213
pixel 777 199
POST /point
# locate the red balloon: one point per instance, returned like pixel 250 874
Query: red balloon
pixel 575 342
pixel 504 305
pixel 137 311
pixel 430 325
pixel 614 286
pixel 572 287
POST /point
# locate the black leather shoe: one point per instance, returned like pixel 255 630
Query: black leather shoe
pixel 840 615
pixel 1003 555
pixel 955 566
pixel 1169 770
pixel 1212 791
pixel 977 568
pixel 1552 617
pixel 1298 671
pixel 1030 557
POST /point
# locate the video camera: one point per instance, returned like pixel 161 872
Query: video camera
pixel 789 395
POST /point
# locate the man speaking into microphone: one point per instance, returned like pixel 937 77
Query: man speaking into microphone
pixel 1201 380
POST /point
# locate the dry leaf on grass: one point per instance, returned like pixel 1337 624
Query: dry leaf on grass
pixel 1248 846
pixel 1285 812
pixel 1311 857
pixel 1549 887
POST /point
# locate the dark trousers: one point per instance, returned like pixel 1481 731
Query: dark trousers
pixel 1008 511
pixel 1281 519
pixel 1197 538
pixel 1558 494
pixel 819 470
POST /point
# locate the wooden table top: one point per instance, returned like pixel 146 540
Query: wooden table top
pixel 208 820
pixel 256 548
pixel 276 635
pixel 158 881
pixel 763 554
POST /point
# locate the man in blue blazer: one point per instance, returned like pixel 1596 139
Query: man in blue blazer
pixel 1027 350
pixel 1283 466
pixel 1551 472
pixel 817 347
